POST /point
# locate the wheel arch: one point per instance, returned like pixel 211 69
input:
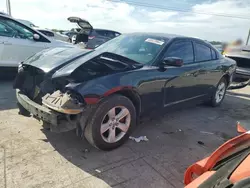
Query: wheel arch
pixel 133 96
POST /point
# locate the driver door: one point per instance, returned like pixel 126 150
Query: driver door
pixel 184 83
pixel 19 45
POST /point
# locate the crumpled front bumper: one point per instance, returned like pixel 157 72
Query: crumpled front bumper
pixel 41 112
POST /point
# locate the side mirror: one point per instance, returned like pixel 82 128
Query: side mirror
pixel 172 61
pixel 36 36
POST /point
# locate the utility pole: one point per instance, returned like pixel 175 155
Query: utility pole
pixel 8 7
pixel 248 37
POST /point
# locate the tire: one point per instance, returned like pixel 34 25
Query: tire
pixel 214 100
pixel 101 117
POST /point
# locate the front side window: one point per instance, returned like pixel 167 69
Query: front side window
pixel 183 50
pixel 14 29
pixel 203 52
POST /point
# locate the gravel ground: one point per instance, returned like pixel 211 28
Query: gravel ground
pixel 34 157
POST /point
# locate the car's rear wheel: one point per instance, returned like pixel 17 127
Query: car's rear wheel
pixel 111 123
pixel 219 94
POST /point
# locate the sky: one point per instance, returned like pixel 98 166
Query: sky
pixel 124 16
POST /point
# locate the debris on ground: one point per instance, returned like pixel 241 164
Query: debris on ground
pixel 141 138
pixel 172 132
pixel 85 150
pixel 205 132
pixel 201 143
pixel 98 171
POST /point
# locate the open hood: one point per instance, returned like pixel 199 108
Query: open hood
pixel 84 24
pixel 98 63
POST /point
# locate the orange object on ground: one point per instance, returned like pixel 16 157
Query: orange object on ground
pixel 226 166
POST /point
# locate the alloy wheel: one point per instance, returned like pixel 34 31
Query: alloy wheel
pixel 115 124
pixel 221 89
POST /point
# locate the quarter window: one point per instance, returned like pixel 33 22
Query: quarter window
pixel 214 56
pixel 203 52
pixel 183 50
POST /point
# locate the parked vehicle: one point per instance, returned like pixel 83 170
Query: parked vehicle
pixel 92 37
pixel 18 41
pixel 228 166
pixel 241 54
pixel 54 35
pixel 71 34
pixel 103 92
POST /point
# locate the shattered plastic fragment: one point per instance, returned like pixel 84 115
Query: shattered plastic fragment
pixel 98 171
pixel 62 102
pixel 205 132
pixel 141 138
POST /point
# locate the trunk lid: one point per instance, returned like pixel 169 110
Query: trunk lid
pixel 82 23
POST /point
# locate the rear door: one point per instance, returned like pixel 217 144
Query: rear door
pixel 183 86
pixel 210 72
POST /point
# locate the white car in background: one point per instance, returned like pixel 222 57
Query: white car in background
pixel 19 41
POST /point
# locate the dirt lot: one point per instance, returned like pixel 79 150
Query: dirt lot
pixel 33 157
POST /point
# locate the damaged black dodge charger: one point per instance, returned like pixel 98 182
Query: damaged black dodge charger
pixel 102 93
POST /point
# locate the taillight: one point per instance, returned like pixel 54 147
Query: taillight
pixel 91 37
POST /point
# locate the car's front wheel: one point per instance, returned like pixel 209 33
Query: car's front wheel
pixel 219 93
pixel 111 123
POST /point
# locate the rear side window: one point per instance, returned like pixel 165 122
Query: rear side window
pixel 117 34
pixel 109 34
pixel 183 50
pixel 203 52
pixel 100 32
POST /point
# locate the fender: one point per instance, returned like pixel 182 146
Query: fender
pixel 94 99
pixel 92 93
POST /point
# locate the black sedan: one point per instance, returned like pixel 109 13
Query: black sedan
pixel 102 93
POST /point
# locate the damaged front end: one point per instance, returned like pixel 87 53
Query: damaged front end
pixel 47 100
pixel 60 111
pixel 46 93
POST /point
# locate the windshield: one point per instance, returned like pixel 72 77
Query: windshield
pixel 140 48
